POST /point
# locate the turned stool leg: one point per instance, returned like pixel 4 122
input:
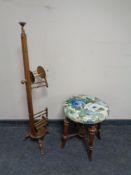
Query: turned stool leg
pixel 92 131
pixel 81 131
pixel 65 135
pixel 98 131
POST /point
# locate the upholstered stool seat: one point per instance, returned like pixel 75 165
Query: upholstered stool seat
pixel 85 111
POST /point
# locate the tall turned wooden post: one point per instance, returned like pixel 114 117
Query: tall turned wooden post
pixel 98 131
pixel 92 130
pixel 37 125
pixel 66 129
pixel 27 80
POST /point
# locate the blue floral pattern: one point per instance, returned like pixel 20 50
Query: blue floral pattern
pixel 86 109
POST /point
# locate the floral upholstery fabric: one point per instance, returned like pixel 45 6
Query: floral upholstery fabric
pixel 86 109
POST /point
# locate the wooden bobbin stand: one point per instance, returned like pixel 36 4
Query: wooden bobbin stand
pixel 37 122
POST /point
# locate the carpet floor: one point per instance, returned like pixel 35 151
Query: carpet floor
pixel 111 156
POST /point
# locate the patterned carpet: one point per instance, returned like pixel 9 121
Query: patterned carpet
pixel 111 156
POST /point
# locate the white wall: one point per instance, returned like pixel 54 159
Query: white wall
pixel 84 44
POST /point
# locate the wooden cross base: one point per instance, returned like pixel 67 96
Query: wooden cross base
pixel 38 136
pixel 82 132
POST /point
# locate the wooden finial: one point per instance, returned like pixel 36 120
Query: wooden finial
pixel 22 24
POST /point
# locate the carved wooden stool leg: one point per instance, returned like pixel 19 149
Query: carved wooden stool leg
pixel 65 135
pixel 92 131
pixel 82 134
pixel 98 131
pixel 41 145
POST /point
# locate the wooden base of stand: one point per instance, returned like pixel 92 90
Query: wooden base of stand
pixel 39 136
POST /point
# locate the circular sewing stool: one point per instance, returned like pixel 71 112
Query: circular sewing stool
pixel 86 113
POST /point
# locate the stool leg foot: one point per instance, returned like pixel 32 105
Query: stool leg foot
pixel 65 135
pixel 98 131
pixel 92 131
pixel 63 141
